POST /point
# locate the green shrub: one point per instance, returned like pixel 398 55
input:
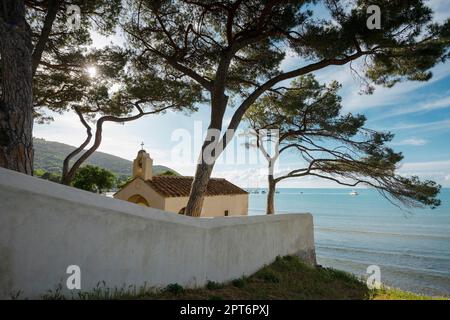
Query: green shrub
pixel 174 288
pixel 268 276
pixel 94 179
pixel 211 285
pixel 239 283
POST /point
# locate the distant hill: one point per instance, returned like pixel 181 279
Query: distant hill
pixel 49 156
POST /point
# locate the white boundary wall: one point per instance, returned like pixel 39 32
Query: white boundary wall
pixel 45 227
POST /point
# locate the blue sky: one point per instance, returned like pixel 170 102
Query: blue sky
pixel 417 112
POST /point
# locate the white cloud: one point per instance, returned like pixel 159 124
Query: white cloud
pixel 426 166
pixel 411 142
pixel 439 103
pixel 397 96
pixel 438 171
pixel 425 126
pixel 100 41
pixel 440 8
pixel 353 101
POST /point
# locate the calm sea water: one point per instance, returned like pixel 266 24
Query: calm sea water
pixel 353 232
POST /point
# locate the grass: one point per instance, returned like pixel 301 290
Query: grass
pixel 286 278
pixel 396 294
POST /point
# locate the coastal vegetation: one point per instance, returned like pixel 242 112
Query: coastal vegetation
pixel 60 71
pixel 177 54
pixel 34 37
pixel 234 51
pixel 307 121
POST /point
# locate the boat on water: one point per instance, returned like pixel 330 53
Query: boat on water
pixel 354 193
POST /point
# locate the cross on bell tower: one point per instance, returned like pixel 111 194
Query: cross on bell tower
pixel 143 165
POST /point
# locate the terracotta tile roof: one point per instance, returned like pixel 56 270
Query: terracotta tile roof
pixel 179 186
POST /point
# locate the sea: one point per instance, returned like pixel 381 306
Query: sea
pixel 353 232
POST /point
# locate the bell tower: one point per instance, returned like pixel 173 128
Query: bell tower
pixel 143 166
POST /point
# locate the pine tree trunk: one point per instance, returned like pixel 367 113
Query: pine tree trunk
pixel 205 168
pixel 198 189
pixel 270 209
pixel 16 108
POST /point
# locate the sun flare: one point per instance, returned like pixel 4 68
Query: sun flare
pixel 92 71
